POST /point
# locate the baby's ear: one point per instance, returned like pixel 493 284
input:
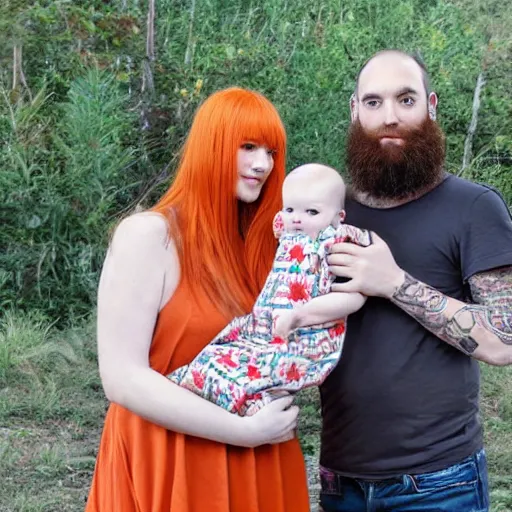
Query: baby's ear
pixel 278 225
pixel 340 218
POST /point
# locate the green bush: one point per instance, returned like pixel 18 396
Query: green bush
pixel 62 179
pixel 92 145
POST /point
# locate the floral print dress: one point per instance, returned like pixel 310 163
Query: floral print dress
pixel 246 366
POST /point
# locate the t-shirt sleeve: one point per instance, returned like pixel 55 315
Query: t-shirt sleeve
pixel 486 241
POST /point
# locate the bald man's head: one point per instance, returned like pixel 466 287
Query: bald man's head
pixel 413 57
pixel 392 91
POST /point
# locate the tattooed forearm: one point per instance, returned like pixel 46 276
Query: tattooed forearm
pixel 420 298
pixel 465 326
pixel 428 306
pixel 458 330
pixel 493 290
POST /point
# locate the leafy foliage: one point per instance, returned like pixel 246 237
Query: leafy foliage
pixel 86 139
pixel 61 183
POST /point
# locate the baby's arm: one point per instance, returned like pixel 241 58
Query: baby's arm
pixel 325 308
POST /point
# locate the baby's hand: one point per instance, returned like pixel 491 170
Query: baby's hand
pixel 284 323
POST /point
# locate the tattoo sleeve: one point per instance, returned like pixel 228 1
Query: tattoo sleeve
pixel 486 322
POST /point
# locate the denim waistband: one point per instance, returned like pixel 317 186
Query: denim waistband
pixel 331 479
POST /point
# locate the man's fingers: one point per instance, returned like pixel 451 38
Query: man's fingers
pixel 346 248
pixel 342 271
pixel 341 260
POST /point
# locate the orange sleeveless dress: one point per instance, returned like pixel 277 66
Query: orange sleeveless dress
pixel 142 467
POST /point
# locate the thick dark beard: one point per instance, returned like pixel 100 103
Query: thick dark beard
pixel 395 172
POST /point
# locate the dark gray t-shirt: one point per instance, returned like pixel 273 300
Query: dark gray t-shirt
pixel 401 400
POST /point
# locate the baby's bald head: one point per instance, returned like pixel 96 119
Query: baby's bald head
pixel 318 179
pixel 313 197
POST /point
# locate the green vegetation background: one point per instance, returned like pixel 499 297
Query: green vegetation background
pixel 90 129
pixel 89 139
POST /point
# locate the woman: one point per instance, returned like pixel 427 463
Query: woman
pixel 172 279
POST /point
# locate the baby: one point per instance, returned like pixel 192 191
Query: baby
pixel 294 335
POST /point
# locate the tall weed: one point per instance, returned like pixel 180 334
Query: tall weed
pixel 61 188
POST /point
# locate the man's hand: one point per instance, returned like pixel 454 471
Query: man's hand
pixel 372 270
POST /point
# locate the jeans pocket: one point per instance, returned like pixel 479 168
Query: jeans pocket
pixel 464 473
pixel 458 487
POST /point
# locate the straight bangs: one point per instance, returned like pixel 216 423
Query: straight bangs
pixel 226 247
pixel 260 124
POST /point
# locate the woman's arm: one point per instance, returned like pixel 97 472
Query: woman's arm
pixel 140 274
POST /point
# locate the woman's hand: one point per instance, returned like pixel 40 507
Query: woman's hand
pixel 274 423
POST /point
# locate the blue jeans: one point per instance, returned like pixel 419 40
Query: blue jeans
pixel 462 487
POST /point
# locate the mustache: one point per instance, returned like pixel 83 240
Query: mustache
pixel 392 133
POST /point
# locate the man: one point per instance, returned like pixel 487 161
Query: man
pixel 401 430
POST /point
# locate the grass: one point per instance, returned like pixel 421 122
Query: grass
pixel 52 409
pixel 51 412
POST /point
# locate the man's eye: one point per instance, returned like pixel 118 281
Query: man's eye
pixel 408 101
pixel 372 103
pixel 312 212
pixel 248 146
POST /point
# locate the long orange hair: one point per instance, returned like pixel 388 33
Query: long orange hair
pixel 226 247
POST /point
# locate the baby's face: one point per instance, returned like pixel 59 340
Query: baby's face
pixel 308 209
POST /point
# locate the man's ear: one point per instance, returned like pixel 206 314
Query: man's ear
pixel 353 107
pixel 343 214
pixel 432 106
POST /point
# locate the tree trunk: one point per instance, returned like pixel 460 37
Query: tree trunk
pixel 18 77
pixel 468 144
pixel 147 72
pixel 190 43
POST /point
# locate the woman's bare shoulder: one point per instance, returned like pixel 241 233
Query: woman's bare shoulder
pixel 141 249
pixel 142 229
